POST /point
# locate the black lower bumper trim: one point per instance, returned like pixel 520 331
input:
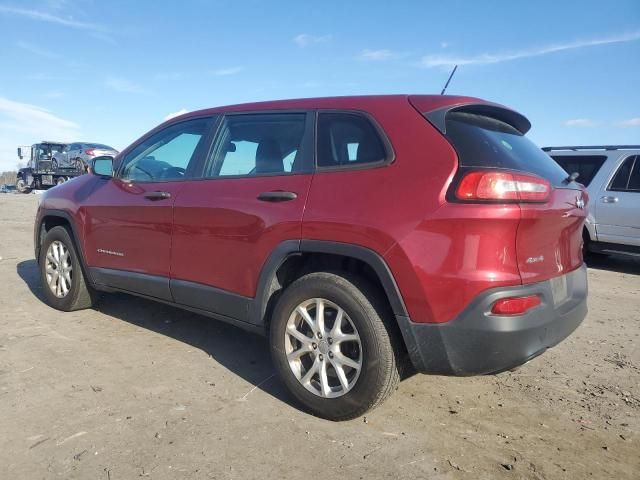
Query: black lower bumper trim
pixel 477 342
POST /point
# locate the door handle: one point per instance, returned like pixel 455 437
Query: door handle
pixel 608 199
pixel 157 195
pixel 277 196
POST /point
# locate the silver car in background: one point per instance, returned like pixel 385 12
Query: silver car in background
pixel 79 155
pixel 611 174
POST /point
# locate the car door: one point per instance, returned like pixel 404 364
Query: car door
pixel 618 205
pixel 128 218
pixel 249 199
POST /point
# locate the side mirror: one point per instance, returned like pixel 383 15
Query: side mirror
pixel 103 166
pixel 19 153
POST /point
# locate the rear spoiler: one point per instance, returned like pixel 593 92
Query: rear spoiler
pixel 492 110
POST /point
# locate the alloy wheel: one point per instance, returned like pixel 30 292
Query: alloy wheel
pixel 58 269
pixel 323 348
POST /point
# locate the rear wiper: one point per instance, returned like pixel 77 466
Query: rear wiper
pixel 572 177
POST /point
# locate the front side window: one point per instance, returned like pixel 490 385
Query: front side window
pixel 258 144
pixel 622 178
pixel 165 155
pixel 348 139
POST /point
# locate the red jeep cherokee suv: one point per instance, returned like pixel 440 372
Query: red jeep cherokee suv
pixel 353 232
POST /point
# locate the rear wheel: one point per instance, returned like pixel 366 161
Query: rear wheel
pixel 79 164
pixel 63 282
pixel 331 346
pixel 60 180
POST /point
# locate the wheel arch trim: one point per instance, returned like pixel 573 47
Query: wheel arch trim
pixel 44 213
pixel 291 248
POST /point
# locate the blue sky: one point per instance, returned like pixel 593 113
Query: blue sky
pixel 109 71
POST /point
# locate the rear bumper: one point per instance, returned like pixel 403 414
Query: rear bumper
pixel 477 343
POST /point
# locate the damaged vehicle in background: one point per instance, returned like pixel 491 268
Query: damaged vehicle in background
pixel 80 155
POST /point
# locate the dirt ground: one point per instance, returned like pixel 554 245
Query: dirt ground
pixel 137 389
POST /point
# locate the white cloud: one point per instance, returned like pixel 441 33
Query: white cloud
pixel 632 122
pixel 222 72
pixel 54 94
pixel 580 122
pixel 182 111
pixel 306 39
pixel 29 47
pixel 48 17
pixel 382 54
pixel 123 85
pixel 24 124
pixel 448 61
pixel 166 76
pixel 41 76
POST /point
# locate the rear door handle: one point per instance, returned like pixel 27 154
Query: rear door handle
pixel 157 195
pixel 608 199
pixel 277 196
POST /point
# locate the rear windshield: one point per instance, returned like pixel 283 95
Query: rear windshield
pixel 586 165
pixel 489 143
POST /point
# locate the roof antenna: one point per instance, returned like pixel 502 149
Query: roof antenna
pixel 450 77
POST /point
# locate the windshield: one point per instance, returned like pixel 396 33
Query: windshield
pixel 489 143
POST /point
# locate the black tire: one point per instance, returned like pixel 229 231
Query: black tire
pixel 80 295
pixel 60 180
pixel 379 375
pixel 21 186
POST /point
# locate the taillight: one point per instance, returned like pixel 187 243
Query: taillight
pixel 515 305
pixel 503 186
pixel 89 151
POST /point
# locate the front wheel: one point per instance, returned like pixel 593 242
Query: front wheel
pixel 63 282
pixel 331 346
pixel 21 186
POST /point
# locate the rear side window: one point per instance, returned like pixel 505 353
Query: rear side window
pixel 586 165
pixel 634 180
pixel 627 177
pixel 485 142
pixel 348 139
pixel 258 144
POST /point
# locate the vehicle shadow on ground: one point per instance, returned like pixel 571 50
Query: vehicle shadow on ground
pixel 243 353
pixel 614 263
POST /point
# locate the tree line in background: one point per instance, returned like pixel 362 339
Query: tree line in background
pixel 8 178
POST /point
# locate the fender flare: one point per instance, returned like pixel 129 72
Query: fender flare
pixel 46 212
pixel 291 248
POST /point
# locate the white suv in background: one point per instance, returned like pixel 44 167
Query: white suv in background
pixel 611 174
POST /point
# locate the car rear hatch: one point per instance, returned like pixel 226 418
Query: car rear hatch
pixel 493 153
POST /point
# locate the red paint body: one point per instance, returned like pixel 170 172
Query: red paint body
pixel 441 254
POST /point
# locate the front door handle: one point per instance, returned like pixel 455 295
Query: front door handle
pixel 608 199
pixel 277 196
pixel 157 195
